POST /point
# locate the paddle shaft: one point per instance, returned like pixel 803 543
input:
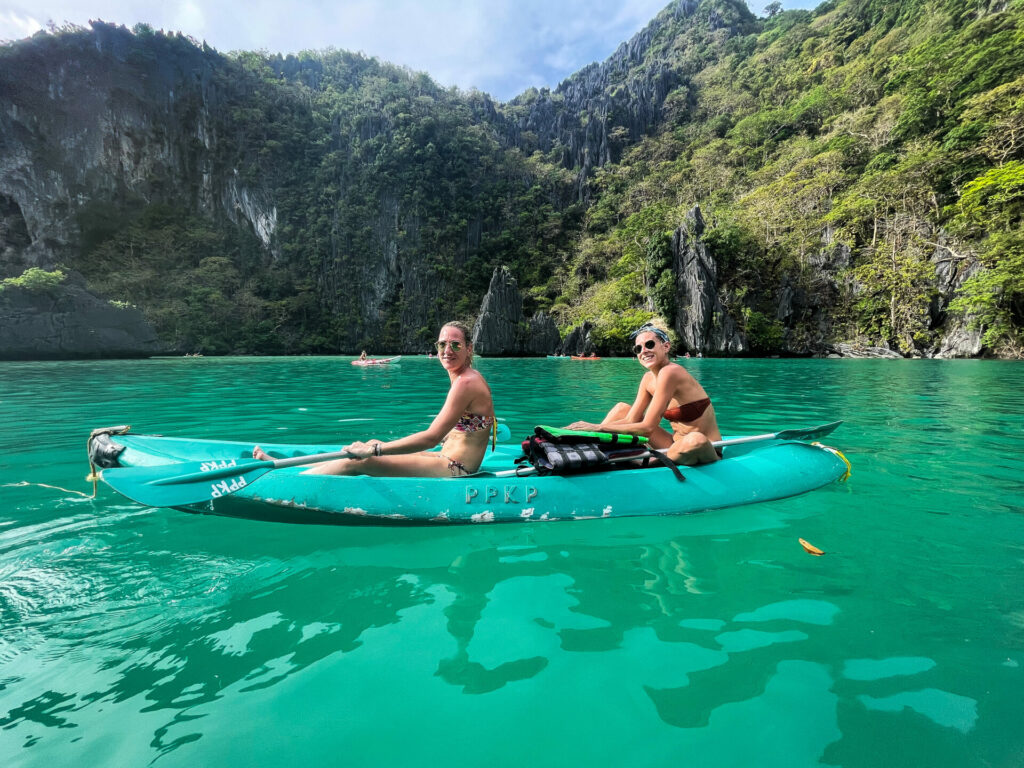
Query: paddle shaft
pixel 168 485
pixel 218 469
pixel 748 439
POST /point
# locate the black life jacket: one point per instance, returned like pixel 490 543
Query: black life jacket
pixel 564 455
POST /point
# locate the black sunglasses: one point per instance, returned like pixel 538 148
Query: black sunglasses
pixel 649 344
pixel 455 345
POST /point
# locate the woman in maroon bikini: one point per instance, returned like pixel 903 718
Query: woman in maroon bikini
pixel 464 426
pixel 667 391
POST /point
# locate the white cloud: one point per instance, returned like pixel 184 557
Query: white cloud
pixel 187 16
pixel 15 25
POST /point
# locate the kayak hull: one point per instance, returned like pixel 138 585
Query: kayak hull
pixel 752 473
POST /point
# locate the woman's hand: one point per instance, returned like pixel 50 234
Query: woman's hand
pixel 362 450
pixel 585 426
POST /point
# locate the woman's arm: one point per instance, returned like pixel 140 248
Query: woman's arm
pixel 631 422
pixel 645 415
pixel 456 403
pixel 638 409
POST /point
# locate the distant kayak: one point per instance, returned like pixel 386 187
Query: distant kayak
pixel 558 357
pixel 377 361
pixel 585 357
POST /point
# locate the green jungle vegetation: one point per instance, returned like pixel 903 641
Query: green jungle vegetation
pixel 34 280
pixel 891 130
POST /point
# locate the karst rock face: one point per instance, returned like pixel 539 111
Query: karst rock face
pixel 109 127
pixel 502 331
pixel 596 113
pixel 702 322
pixel 70 323
pixel 579 341
pixel 497 330
pixel 91 136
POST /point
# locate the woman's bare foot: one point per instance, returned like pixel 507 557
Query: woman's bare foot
pixel 259 453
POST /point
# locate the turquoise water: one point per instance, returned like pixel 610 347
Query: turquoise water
pixel 133 636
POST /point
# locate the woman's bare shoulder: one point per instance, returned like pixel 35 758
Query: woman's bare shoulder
pixel 470 383
pixel 649 384
pixel 672 372
pixel 676 372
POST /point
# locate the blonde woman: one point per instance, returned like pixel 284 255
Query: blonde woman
pixel 667 390
pixel 464 426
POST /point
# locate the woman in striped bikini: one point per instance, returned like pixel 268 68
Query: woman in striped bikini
pixel 463 426
pixel 667 391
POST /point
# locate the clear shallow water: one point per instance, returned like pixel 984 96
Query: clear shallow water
pixel 131 636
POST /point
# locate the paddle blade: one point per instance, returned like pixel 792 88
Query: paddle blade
pixel 180 485
pixel 814 433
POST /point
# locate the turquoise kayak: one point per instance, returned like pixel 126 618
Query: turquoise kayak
pixel 751 472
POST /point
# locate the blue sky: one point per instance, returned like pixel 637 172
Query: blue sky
pixel 501 47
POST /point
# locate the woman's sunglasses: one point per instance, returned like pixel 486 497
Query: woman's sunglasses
pixel 649 344
pixel 455 345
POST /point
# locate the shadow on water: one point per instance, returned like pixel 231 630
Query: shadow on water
pixel 191 611
pixel 180 611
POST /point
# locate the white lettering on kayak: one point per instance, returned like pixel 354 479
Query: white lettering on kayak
pixel 208 466
pixel 226 486
pixel 510 493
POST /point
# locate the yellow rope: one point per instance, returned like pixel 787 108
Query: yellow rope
pixel 837 452
pixel 27 484
pixel 93 476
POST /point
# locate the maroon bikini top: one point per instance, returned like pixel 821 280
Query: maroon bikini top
pixel 689 412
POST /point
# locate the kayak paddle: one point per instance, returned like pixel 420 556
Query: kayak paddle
pixel 193 482
pixel 787 434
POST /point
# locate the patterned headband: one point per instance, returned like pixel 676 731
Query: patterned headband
pixel 648 328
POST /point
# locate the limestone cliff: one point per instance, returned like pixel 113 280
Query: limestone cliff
pixel 497 330
pixel 959 338
pixel 702 322
pixel 330 202
pixel 70 323
pixel 599 111
pixel 98 126
pixel 108 123
pixel 502 331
